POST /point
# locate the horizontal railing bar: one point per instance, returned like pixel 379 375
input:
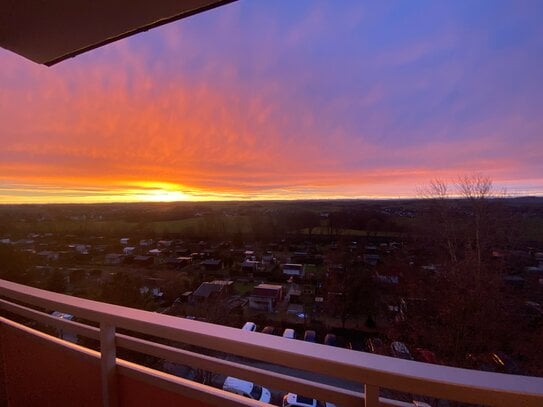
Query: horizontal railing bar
pixel 52 340
pixel 163 380
pixel 285 382
pixel 274 380
pixel 384 402
pixel 67 325
pixel 123 339
pixel 414 377
pixel 288 383
pixel 190 389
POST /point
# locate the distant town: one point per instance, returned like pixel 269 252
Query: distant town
pixel 454 282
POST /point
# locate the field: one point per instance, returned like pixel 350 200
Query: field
pixel 325 231
pixel 225 225
pixel 241 221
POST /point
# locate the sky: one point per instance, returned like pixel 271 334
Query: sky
pixel 283 100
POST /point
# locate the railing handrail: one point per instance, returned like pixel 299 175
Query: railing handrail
pixel 419 378
pixel 163 380
pixel 261 376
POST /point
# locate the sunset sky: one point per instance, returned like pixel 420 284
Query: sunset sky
pixel 283 100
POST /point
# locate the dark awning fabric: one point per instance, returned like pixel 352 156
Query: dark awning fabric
pixel 50 31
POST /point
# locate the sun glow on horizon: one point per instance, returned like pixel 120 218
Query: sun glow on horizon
pixel 89 191
pixel 149 191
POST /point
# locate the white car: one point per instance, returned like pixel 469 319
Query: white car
pixel 247 389
pixel 295 400
pixel 249 326
pixel 400 350
pixel 289 333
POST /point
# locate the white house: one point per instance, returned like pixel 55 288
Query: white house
pixel 292 269
pixel 129 250
pixel 265 297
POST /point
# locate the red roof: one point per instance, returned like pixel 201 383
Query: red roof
pixel 265 292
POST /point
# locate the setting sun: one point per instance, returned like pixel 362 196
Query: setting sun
pixel 157 192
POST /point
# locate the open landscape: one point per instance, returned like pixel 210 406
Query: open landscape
pixel 357 274
pixel 308 203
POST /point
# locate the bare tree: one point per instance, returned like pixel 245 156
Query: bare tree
pixel 462 224
pixel 441 225
pixel 477 189
pixel 461 217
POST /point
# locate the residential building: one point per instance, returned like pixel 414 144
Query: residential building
pixel 293 270
pixel 212 290
pixel 265 297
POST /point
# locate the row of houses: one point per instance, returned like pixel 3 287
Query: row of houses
pixel 263 297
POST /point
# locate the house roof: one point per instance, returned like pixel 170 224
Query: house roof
pixel 142 258
pixel 208 288
pixel 211 262
pixel 270 286
pixel 294 266
pixel 262 292
pixel 48 32
pixel 266 290
pixel 222 283
pixel 114 255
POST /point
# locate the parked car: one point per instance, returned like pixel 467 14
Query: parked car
pixel 505 364
pixel 289 333
pixel 270 330
pixel 426 356
pixel 358 346
pixel 310 336
pixel 375 345
pixel 249 326
pixel 330 340
pixel 295 400
pixel 342 342
pixel 400 350
pixel 493 362
pixel 247 389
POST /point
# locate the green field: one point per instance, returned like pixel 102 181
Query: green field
pixel 532 229
pixel 219 226
pixel 216 226
pixel 349 232
pixel 242 288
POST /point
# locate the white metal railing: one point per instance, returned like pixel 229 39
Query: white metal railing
pixel 372 372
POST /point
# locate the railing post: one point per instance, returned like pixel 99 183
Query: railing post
pixel 3 375
pixel 371 396
pixel 108 355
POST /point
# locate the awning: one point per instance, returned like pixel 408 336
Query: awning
pixel 50 31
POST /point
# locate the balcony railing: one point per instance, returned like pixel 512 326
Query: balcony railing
pixel 27 356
